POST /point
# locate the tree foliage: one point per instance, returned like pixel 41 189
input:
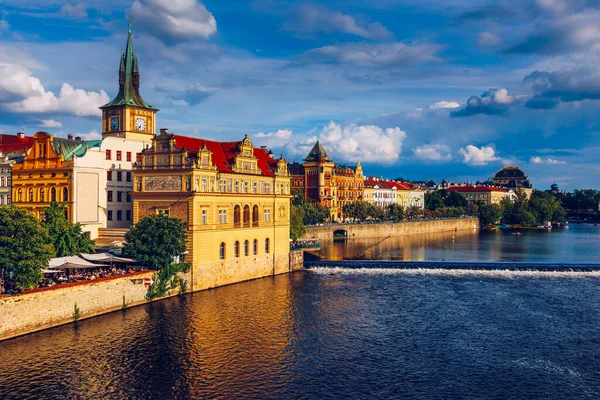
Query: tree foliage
pixel 489 214
pixel 540 207
pixel 25 249
pixel 297 227
pixel 67 237
pixel 311 214
pixel 156 240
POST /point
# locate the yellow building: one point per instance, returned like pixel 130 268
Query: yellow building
pixel 234 197
pixel 47 174
pixel 484 194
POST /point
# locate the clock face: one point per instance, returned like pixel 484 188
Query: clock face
pixel 140 124
pixel 114 123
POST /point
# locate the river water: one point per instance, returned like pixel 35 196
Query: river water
pixel 346 333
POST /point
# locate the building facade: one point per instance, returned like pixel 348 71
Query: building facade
pixel 234 197
pixel 484 194
pixel 327 184
pixel 5 179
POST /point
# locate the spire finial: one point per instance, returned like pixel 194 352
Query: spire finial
pixel 129 23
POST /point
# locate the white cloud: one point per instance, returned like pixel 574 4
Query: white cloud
pixel 444 105
pixel 377 55
pixel 488 39
pixel 540 160
pixel 91 135
pixel 368 143
pixel 20 92
pixel 311 19
pixel 4 25
pixel 174 20
pixel 50 123
pixel 492 101
pixel 280 134
pixel 76 10
pixel 433 152
pixel 478 156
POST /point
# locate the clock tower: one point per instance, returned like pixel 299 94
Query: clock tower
pixel 128 115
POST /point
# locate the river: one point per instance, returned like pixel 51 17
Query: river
pixel 350 333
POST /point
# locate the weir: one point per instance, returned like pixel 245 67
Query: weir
pixel 454 265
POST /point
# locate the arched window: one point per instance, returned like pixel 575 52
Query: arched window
pixel 236 216
pixel 246 216
pixel 255 247
pixel 42 195
pixel 65 194
pixel 222 251
pixel 267 245
pixel 53 194
pixel 246 248
pixel 20 195
pixel 236 249
pixel 255 215
pixel 31 195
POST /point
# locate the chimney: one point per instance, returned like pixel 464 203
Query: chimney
pixel 164 130
pixel 21 135
pixel 70 137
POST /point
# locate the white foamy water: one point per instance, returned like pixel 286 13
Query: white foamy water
pixel 453 272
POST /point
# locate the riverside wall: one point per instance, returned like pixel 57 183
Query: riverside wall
pixel 392 229
pixel 45 308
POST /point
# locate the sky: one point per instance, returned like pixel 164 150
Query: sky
pixel 418 89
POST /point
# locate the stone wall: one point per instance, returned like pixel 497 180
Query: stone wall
pixel 55 306
pixel 392 229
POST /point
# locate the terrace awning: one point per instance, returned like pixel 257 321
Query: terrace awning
pixel 72 262
pixel 107 258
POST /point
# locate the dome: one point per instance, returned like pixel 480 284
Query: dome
pixel 509 172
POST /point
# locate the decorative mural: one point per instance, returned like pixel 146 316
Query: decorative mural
pixel 162 183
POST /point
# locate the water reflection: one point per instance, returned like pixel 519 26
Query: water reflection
pixel 579 243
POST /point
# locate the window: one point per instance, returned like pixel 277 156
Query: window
pixel 128 156
pixel 110 195
pixel 267 245
pixel 162 211
pixel 110 215
pixel 255 247
pixel 31 195
pixel 236 216
pixel 222 251
pixel 42 195
pixel 237 187
pixel 254 188
pixel 53 194
pixel 204 217
pixel 1 181
pixel 128 198
pixel 222 216
pixel 267 215
pixel 129 177
pixel 128 215
pixel 236 249
pixel 119 155
pixel 246 216
pixel 246 248
pixel 20 195
pixel 108 155
pixel 204 185
pixel 119 196
pixel 255 215
pixel 2 200
pixel 119 215
pixel 109 175
pixel 65 194
pixel 119 176
pixel 138 157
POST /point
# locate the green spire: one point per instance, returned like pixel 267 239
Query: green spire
pixel 129 79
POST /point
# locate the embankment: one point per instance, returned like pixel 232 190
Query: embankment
pixel 48 307
pixel 390 229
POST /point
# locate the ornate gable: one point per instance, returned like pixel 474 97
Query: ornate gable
pixel 245 161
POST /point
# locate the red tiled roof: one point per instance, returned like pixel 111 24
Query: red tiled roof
pixel 224 153
pixel 14 144
pixel 477 189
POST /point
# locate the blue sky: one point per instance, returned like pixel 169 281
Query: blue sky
pixel 413 88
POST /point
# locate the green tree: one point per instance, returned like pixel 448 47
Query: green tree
pixel 395 212
pixel 433 200
pixel 25 249
pixel 489 214
pixel 297 227
pixel 453 199
pixel 67 237
pixel 156 240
